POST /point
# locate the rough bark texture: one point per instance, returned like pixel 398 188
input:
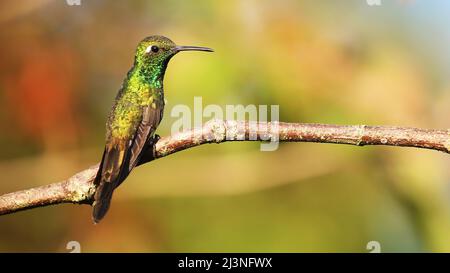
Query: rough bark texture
pixel 80 188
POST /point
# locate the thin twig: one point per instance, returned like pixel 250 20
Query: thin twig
pixel 80 188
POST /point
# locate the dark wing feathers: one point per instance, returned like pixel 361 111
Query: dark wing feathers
pixel 114 155
pixel 150 120
pixel 119 158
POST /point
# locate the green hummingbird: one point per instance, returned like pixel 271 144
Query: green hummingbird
pixel 134 117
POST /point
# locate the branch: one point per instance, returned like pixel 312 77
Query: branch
pixel 80 188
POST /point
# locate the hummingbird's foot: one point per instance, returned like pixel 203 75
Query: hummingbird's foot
pixel 155 139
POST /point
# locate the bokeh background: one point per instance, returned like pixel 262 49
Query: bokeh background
pixel 342 62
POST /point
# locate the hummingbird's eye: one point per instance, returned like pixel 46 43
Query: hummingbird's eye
pixel 154 48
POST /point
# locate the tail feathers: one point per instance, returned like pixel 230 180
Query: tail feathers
pixel 102 201
pixel 112 171
pixel 103 195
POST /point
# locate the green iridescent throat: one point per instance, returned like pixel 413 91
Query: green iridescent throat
pixel 150 69
pixel 143 87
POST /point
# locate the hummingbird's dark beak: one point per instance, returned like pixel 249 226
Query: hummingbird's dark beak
pixel 192 48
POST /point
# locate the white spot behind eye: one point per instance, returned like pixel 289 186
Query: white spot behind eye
pixel 148 49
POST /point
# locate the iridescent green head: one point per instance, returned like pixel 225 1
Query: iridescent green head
pixel 154 52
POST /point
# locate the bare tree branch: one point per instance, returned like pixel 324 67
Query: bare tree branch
pixel 80 188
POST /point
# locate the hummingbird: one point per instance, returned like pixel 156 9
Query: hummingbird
pixel 134 117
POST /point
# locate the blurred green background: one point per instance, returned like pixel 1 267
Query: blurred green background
pixel 342 62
